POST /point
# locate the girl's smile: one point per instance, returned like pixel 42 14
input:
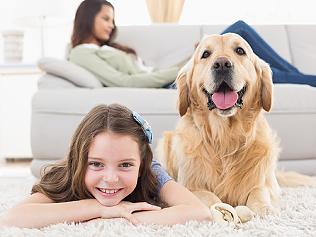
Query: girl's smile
pixel 109 192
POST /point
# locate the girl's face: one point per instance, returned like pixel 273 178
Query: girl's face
pixel 103 24
pixel 113 167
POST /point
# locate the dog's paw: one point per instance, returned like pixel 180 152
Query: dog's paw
pixel 244 213
pixel 224 213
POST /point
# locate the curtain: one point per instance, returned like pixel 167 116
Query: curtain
pixel 164 11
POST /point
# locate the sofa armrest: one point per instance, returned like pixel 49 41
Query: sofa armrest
pixel 69 72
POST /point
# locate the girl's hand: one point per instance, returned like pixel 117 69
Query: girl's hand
pixel 125 209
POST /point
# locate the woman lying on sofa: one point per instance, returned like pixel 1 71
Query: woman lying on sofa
pixel 117 65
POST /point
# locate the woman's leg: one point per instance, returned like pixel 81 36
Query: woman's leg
pixel 260 47
pixel 280 76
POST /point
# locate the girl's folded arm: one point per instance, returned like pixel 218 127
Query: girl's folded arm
pixel 38 211
pixel 183 206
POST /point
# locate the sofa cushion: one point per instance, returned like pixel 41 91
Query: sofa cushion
pixel 302 40
pixel 288 98
pixel 268 32
pixel 162 45
pixel 142 100
pixel 69 71
pixel 294 98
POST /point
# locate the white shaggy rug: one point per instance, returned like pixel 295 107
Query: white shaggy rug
pixel 297 218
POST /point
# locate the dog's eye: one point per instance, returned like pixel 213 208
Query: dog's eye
pixel 206 54
pixel 240 51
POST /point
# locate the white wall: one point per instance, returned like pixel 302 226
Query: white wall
pixel 251 11
pixel 130 12
pixel 24 15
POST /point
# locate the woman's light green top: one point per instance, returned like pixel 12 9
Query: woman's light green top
pixel 115 68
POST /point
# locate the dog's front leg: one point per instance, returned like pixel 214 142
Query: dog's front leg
pixel 207 197
pixel 259 201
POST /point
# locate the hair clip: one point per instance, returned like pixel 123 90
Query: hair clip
pixel 144 125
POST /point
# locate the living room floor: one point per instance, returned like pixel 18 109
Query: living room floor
pixel 15 167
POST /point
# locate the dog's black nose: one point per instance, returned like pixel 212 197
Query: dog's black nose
pixel 222 64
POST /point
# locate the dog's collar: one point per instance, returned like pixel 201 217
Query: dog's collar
pixel 211 105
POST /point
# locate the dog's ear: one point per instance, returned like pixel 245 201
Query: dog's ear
pixel 183 88
pixel 265 76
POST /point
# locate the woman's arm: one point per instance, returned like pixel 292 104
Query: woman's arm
pixel 39 211
pixel 183 206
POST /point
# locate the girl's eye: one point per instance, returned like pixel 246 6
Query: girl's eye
pixel 240 51
pixel 95 164
pixel 126 165
pixel 206 54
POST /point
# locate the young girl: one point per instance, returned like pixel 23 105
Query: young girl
pixel 108 173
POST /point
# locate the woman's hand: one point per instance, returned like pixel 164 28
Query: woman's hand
pixel 125 209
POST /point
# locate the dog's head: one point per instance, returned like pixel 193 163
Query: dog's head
pixel 224 75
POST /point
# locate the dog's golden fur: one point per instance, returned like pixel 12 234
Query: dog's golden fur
pixel 227 155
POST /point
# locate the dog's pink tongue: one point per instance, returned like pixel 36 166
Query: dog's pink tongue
pixel 225 100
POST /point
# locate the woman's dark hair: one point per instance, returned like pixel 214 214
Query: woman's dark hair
pixel 64 182
pixel 84 24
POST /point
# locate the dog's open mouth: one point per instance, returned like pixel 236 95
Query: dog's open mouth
pixel 225 97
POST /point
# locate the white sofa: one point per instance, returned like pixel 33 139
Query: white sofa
pixel 66 93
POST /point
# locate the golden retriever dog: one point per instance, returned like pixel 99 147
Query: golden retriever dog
pixel 223 149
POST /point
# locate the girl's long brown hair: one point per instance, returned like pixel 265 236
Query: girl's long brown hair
pixel 84 22
pixel 64 182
